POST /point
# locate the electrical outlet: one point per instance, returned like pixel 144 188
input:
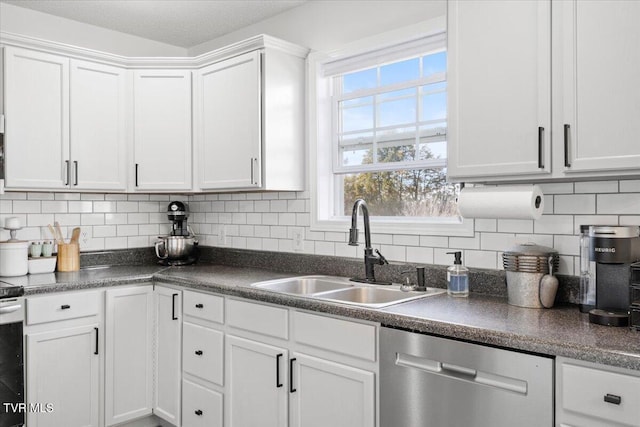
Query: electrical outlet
pixel 85 238
pixel 297 240
pixel 222 236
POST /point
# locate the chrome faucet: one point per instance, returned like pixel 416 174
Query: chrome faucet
pixel 370 260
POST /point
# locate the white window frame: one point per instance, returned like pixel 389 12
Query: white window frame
pixel 320 134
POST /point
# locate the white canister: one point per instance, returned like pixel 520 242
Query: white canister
pixel 14 258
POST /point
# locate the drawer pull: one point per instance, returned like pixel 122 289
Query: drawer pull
pixel 199 305
pixel 198 412
pixel 612 398
pixel 199 353
pixel 64 306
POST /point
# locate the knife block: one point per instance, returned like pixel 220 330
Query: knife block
pixel 68 257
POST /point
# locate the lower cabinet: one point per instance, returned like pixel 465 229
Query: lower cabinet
pixel 128 351
pixel 201 407
pixel 256 378
pixel 318 384
pixel 167 360
pixel 66 387
pixel 63 359
pixel 591 395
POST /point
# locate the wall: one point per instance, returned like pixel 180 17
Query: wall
pixel 18 20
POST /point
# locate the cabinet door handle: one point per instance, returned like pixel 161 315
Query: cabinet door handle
pixel 97 334
pixel 199 305
pixel 198 352
pixel 278 383
pixel 67 172
pixel 612 398
pixel 567 164
pixel 540 137
pixel 251 170
pixel 198 412
pixel 65 306
pixel 75 170
pixel 291 389
pixel 136 174
pixel 173 307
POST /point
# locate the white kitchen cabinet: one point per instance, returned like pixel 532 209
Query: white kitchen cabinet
pixel 318 384
pixel 499 83
pixel 592 395
pixel 162 130
pixel 128 353
pixel 598 64
pixel 36 120
pixel 201 407
pixel 98 111
pixel 500 77
pixel 256 384
pixel 63 359
pixel 249 122
pixel 66 123
pixel 167 360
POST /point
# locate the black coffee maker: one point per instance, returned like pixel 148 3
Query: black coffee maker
pixel 613 249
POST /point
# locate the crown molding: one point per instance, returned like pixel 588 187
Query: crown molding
pixel 261 41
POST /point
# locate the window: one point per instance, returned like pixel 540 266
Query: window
pixel 382 136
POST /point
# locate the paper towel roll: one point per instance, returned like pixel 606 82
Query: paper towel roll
pixel 505 202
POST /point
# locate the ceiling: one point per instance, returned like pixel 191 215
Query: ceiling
pixel 183 23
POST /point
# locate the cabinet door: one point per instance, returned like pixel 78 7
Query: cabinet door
pixel 320 385
pixel 63 377
pixel 499 81
pixel 601 94
pixel 256 395
pixel 128 353
pixel 37 120
pixel 229 124
pixel 162 130
pixel 167 365
pixel 98 126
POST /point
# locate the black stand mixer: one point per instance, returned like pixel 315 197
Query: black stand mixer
pixel 180 247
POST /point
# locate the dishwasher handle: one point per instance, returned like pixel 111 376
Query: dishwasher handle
pixel 462 373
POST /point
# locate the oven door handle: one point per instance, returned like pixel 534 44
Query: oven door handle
pixel 10 308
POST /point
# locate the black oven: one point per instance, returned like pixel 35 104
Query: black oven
pixel 12 409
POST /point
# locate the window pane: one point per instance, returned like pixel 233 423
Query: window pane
pixel 400 72
pixel 357 117
pixel 409 193
pixel 396 145
pixel 355 149
pixel 364 79
pixel 434 106
pixel 393 113
pixel 432 150
pixel 436 63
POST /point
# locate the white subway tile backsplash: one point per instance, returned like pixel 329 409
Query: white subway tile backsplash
pixel 35 196
pixel 91 196
pixel 104 231
pixel 287 219
pixel 557 188
pixel 466 242
pixel 419 255
pixel 480 259
pixel 124 206
pixel 406 240
pixel 434 241
pixel 127 230
pixel 482 224
pixel 515 226
pixel 630 186
pixel 54 206
pixel 496 241
pixel 67 196
pixel 538 239
pixel 554 224
pixel 325 248
pixel 593 220
pixel 630 220
pixel 575 204
pixel 91 219
pixel 278 206
pixel 567 245
pixel 619 204
pixel 115 218
pixel 27 206
pixel 596 187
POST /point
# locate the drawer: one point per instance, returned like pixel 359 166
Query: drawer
pixel 203 306
pixel 584 391
pixel 202 352
pixel 201 407
pixel 52 308
pixel 259 318
pixel 340 336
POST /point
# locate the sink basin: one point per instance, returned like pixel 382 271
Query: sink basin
pixel 340 289
pixel 375 297
pixel 305 285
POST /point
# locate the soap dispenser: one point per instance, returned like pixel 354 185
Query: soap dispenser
pixel 457 277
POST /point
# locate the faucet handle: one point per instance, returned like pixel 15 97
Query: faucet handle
pixel 383 260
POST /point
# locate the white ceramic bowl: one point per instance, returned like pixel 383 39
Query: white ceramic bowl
pixel 42 265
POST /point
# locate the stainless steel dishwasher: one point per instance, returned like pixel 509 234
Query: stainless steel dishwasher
pixel 427 381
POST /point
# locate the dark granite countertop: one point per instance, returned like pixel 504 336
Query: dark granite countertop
pixel 561 331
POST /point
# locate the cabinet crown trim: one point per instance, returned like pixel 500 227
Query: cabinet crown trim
pixel 257 42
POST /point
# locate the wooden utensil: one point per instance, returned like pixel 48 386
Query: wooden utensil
pixel 54 234
pixel 75 235
pixel 59 235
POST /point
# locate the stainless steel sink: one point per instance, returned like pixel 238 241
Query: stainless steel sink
pixel 340 289
pixel 305 285
pixel 376 297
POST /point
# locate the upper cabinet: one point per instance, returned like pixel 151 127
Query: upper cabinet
pixel 523 60
pixel 65 123
pixel 499 77
pixel 599 48
pixel 162 130
pixel 249 122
